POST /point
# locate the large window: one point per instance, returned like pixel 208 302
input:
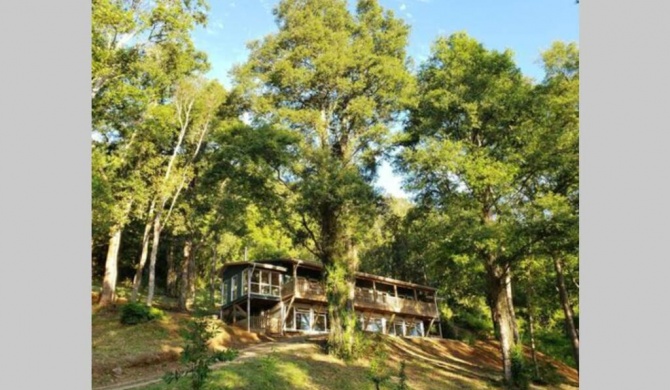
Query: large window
pixel 265 283
pixel 224 292
pixel 415 329
pixel 398 328
pixel 245 281
pixel 234 284
pixel 374 325
pixel 302 320
pixel 320 322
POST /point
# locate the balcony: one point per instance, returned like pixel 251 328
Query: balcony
pixel 364 299
pixel 305 289
pixel 369 299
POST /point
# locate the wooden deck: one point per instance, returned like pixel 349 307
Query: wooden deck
pixel 365 299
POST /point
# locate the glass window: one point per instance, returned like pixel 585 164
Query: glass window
pixel 225 292
pixel 254 277
pixel 320 322
pixel 398 328
pixel 275 279
pixel 374 325
pixel 233 282
pixel 415 329
pixel 302 320
pixel 265 277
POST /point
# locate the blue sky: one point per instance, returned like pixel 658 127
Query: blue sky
pixel 525 26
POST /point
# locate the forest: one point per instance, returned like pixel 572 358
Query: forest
pixel 188 175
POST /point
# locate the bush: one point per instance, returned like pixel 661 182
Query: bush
pixel 402 384
pixel 197 357
pixel 133 313
pixel 548 375
pixel 379 372
pixel 521 372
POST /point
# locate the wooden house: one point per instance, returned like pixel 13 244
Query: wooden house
pixel 283 296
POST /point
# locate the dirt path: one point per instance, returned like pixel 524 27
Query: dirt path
pixel 250 352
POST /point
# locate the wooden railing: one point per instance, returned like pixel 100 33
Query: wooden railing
pixel 369 299
pixel 364 298
pixel 257 323
pixel 306 289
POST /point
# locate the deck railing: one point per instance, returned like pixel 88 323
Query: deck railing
pixel 364 298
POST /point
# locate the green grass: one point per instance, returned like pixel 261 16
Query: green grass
pixel 301 369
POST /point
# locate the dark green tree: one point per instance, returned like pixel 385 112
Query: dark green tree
pixel 336 79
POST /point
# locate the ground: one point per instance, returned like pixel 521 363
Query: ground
pixel 140 354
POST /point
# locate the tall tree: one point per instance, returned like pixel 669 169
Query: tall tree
pixel 336 78
pixel 462 155
pixel 139 48
pixel 555 154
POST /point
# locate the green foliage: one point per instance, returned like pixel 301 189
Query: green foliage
pixel 402 382
pixel 554 342
pixel 379 372
pixel 548 375
pixel 521 371
pixel 196 357
pixel 133 313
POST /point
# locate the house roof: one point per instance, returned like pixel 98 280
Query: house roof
pixel 318 266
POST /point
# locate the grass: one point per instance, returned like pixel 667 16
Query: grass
pixel 151 349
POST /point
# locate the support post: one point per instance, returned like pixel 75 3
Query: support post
pixel 429 327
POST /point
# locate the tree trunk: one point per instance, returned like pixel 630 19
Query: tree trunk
pixel 212 276
pixel 504 316
pixel 137 280
pixel 508 291
pixel 108 295
pixel 192 273
pixel 171 272
pixel 531 332
pixel 567 310
pixel 154 255
pixel 530 294
pixel 184 285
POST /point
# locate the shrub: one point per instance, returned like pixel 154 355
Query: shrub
pixel 133 313
pixel 197 357
pixel 379 372
pixel 402 384
pixel 520 370
pixel 548 375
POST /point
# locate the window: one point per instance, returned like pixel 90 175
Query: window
pixel 233 293
pixel 374 325
pixel 415 329
pixel 265 283
pixel 320 322
pixel 245 281
pixel 224 292
pixel 398 328
pixel 302 320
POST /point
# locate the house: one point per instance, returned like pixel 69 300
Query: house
pixel 284 296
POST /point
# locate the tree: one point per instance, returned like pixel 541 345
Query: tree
pixel 462 153
pixel 336 79
pixel 555 154
pixel 138 49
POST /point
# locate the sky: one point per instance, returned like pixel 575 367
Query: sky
pixel 527 27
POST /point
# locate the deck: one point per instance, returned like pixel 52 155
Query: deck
pixel 365 299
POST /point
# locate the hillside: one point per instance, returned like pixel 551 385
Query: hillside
pixel 142 353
